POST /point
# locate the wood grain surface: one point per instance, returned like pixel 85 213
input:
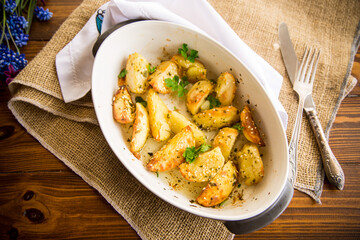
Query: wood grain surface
pixel 41 198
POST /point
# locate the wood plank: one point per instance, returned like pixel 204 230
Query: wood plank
pixel 56 205
pixel 56 193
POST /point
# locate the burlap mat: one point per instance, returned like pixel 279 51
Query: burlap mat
pixel 71 133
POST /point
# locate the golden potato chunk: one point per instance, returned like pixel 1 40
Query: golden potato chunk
pixel 250 130
pixel 159 126
pixel 167 69
pixel 251 167
pixel 225 139
pixel 137 73
pixel 197 95
pixel 194 71
pixel 204 167
pixel 225 88
pixel 171 154
pixel 123 106
pixel 219 187
pixel 177 122
pixel 141 130
pixel 216 118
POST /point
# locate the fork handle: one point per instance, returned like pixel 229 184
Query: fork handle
pixel 293 145
pixel 333 170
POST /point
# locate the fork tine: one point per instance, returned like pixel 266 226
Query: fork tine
pixel 309 71
pixel 302 70
pixel 315 67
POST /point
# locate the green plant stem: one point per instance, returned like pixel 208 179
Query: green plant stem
pixel 3 24
pixel 30 14
pixel 17 49
pixel 23 4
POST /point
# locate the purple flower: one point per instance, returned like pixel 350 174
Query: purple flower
pixel 21 39
pixel 16 25
pixel 10 5
pixel 42 14
pixel 9 57
pixel 10 74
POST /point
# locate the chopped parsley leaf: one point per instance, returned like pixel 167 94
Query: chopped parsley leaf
pixel 191 153
pixel 123 73
pixel 177 85
pixel 151 69
pixel 184 52
pixel 141 100
pixel 214 102
pixel 238 126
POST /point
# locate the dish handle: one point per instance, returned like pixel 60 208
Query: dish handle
pixel 264 218
pixel 103 36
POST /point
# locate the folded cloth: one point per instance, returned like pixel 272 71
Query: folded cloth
pixel 74 62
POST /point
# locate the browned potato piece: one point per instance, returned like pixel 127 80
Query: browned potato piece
pixel 141 130
pixel 204 167
pixel 250 130
pixel 121 81
pixel 225 88
pixel 216 118
pixel 251 167
pixel 123 106
pixel 171 154
pixel 219 187
pixel 137 73
pixel 177 122
pixel 193 71
pixel 197 95
pixel 159 126
pixel 167 69
pixel 225 139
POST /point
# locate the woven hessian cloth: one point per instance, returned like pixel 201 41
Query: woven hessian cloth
pixel 71 133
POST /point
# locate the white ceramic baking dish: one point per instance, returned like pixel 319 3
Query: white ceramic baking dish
pixel 154 39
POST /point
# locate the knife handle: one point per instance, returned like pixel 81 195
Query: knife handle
pixel 333 170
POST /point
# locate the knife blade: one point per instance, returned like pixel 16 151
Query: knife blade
pixel 333 170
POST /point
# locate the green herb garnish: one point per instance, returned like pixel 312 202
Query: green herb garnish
pixel 191 153
pixel 214 102
pixel 141 100
pixel 123 73
pixel 151 69
pixel 238 127
pixel 184 52
pixel 177 85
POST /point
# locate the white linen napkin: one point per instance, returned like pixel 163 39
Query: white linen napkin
pixel 75 61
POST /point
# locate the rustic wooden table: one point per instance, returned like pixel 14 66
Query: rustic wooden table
pixel 33 182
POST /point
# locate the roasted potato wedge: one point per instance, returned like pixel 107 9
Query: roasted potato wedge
pixel 141 130
pixel 197 95
pixel 159 126
pixel 251 167
pixel 171 154
pixel 137 73
pixel 216 118
pixel 204 167
pixel 123 106
pixel 225 88
pixel 219 187
pixel 167 69
pixel 194 71
pixel 250 130
pixel 225 139
pixel 177 122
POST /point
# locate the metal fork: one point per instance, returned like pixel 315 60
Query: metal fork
pixel 303 85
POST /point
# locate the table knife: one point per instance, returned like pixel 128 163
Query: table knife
pixel 333 170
